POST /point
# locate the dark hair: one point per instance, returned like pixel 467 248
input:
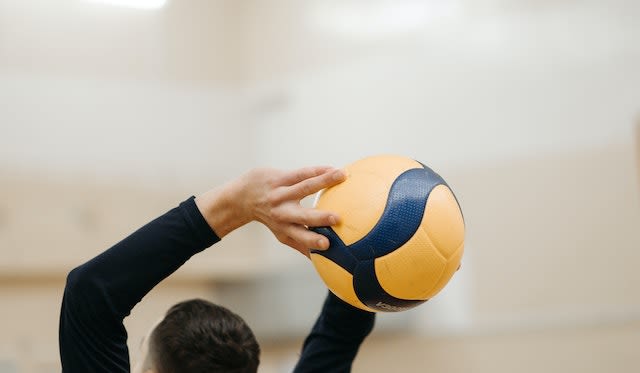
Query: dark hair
pixel 197 336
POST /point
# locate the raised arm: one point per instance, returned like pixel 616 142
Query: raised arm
pixel 335 339
pixel 101 293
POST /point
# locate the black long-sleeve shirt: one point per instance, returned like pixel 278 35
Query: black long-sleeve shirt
pixel 101 293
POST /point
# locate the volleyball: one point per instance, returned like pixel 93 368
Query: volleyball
pixel 400 237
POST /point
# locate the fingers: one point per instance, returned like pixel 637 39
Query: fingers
pixel 302 239
pixel 294 177
pixel 293 213
pixel 277 205
pixel 313 185
pixel 297 246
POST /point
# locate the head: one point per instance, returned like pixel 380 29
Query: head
pixel 197 336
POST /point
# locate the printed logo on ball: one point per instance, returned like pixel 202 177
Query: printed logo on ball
pixel 390 307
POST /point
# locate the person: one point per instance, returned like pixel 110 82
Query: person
pixel 196 335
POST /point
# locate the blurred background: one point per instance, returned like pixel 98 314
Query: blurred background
pixel 114 111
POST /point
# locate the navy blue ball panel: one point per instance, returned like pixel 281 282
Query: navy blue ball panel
pixel 451 190
pixel 402 214
pixel 337 252
pixel 368 290
pixel 400 219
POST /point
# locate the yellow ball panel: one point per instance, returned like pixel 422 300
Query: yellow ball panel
pixel 412 270
pixel 339 281
pixel 369 179
pixel 449 271
pixel 443 221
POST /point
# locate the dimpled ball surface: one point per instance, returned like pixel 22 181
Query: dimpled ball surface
pixel 400 238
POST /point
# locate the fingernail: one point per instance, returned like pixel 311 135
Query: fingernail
pixel 323 244
pixel 338 175
pixel 332 220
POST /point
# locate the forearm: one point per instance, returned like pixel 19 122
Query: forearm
pixel 335 338
pixel 130 269
pixel 101 293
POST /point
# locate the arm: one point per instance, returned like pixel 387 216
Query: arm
pixel 101 293
pixel 335 338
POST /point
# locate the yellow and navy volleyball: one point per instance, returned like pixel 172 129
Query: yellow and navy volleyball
pixel 400 237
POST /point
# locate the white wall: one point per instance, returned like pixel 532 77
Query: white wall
pixel 139 130
pixel 99 91
pixel 493 80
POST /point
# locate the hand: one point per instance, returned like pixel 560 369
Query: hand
pixel 273 197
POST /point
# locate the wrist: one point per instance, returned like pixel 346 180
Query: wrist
pixel 221 209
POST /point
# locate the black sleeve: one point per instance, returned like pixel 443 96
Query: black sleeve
pixel 101 293
pixel 335 338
